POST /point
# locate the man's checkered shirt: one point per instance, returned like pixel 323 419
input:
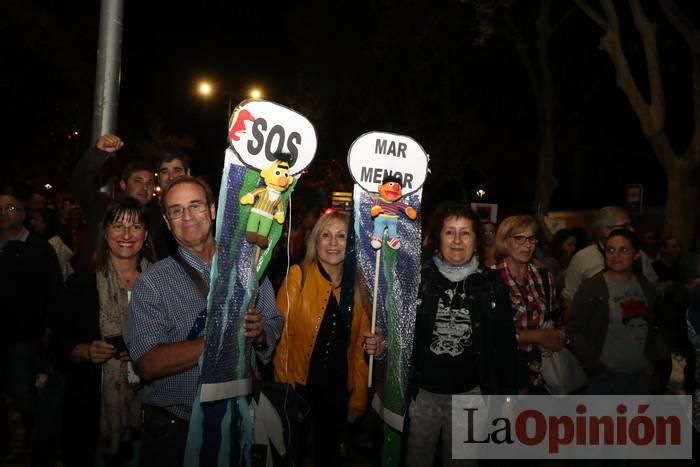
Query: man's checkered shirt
pixel 164 305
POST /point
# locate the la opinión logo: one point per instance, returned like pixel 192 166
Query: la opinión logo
pixel 535 427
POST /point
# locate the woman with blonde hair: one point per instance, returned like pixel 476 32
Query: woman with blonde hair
pixel 320 352
pixel 533 300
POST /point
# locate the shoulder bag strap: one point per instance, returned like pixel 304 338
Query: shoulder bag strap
pixel 192 272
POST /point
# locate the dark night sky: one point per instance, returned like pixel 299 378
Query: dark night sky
pixel 358 67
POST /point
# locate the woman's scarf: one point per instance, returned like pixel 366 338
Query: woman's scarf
pixel 456 273
pixel 120 413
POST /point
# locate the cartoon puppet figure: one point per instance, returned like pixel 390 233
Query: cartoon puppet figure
pixel 385 210
pixel 267 201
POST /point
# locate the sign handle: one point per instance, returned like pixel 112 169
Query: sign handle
pixel 254 276
pixel 375 292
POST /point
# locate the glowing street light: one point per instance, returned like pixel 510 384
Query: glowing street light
pixel 205 88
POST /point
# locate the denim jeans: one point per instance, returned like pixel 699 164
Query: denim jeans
pixel 163 438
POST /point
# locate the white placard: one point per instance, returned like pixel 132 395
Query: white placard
pixel 375 155
pixel 259 130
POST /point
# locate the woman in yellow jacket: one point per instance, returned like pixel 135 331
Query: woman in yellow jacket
pixel 320 352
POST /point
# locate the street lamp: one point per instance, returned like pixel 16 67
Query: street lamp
pixel 205 88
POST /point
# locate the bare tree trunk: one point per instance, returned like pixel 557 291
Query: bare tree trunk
pixel 680 214
pixel 542 86
pixel 546 180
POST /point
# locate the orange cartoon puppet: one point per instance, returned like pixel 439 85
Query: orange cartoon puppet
pixel 385 210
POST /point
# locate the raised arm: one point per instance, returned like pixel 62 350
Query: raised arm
pixel 83 178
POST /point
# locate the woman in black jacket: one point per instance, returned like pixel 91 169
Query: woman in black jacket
pixel 464 336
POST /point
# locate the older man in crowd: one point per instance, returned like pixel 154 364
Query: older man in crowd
pixel 166 318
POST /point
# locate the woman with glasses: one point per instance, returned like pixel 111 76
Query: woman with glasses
pixel 102 407
pixel 533 299
pixel 611 328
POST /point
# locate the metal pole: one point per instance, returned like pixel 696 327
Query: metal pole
pixel 107 75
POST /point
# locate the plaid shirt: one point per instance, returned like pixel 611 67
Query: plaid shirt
pixel 528 301
pixel 164 305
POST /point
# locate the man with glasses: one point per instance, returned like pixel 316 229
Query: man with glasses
pixel 136 179
pixel 164 327
pixel 590 260
pixel 30 277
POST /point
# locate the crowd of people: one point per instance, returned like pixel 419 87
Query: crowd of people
pixel 105 323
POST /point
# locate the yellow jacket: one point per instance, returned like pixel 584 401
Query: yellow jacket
pixel 302 319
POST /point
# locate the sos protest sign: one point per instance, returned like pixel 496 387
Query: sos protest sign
pixel 260 130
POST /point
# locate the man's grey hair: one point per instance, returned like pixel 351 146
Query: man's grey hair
pixel 606 216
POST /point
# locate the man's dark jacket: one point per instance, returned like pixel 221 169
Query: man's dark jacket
pixel 30 281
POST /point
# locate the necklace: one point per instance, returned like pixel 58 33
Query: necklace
pixel 128 278
pixel 515 279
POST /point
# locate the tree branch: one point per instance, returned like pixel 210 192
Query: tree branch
pixel 657 106
pixel 611 43
pixel 691 34
pixel 543 34
pixel 547 94
pixel 682 23
pixel 563 19
pixel 593 14
pixel 521 49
